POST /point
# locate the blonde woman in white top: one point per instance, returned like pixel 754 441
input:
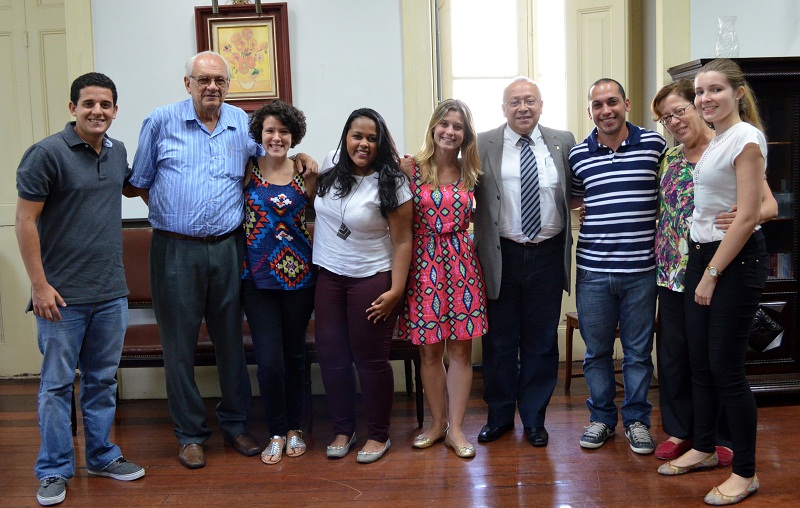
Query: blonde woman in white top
pixel 725 276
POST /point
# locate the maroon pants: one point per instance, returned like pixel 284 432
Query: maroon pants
pixel 345 337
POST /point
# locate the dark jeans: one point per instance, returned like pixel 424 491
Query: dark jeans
pixel 345 336
pixel 190 281
pixel 674 371
pixel 718 336
pixel 520 351
pixel 278 321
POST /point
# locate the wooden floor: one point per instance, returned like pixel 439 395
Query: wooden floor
pixel 508 472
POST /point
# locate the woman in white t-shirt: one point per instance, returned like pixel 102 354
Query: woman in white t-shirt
pixel 725 276
pixel 362 245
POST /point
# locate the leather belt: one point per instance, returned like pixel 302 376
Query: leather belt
pixel 204 239
pixel 557 238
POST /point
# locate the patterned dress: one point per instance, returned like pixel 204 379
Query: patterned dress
pixel 445 294
pixel 675 208
pixel 278 245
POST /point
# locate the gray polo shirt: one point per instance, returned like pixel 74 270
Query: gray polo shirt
pixel 80 227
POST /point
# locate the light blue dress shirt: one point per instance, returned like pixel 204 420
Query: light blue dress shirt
pixel 194 176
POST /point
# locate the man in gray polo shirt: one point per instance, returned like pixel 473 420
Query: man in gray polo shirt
pixel 68 226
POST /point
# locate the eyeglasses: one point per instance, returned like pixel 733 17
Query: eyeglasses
pixel 205 81
pixel 678 113
pixel 515 103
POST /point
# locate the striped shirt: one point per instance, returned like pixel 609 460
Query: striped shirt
pixel 194 176
pixel 620 192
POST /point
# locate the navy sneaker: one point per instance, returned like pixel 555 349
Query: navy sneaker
pixel 596 435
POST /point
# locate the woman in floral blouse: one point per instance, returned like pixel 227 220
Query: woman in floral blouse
pixel 279 279
pixel 673 106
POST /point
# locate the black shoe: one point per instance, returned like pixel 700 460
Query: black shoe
pixel 489 433
pixel 537 436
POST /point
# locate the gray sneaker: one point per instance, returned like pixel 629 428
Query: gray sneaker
pixel 120 469
pixel 639 436
pixel 596 435
pixel 52 491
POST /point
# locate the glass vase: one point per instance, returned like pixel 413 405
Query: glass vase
pixel 727 44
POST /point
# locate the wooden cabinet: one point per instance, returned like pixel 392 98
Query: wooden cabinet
pixel 776 84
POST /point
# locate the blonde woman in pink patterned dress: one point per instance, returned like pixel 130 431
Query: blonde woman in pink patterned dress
pixel 445 296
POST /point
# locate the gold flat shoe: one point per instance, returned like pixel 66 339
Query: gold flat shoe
pixel 717 498
pixel 423 441
pixel 669 469
pixel 465 452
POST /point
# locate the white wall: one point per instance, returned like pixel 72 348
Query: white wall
pixel 764 28
pixel 344 55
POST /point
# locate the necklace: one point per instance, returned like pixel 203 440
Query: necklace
pixel 715 142
pixel 344 231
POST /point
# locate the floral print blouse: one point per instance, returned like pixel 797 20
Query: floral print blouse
pixel 675 207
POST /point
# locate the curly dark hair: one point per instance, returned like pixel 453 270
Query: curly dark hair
pixel 288 115
pixel 340 178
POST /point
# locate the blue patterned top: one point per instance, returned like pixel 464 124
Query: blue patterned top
pixel 278 245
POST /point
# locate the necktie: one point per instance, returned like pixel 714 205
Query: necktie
pixel 529 183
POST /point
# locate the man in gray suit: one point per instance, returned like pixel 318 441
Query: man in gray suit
pixel 523 239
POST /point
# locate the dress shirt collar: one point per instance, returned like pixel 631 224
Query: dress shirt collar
pixel 514 137
pixel 189 114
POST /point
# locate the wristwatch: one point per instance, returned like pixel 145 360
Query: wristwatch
pixel 713 272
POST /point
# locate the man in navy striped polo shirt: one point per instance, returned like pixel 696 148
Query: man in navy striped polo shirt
pixel 614 176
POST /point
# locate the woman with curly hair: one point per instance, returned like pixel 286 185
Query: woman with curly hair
pixel 279 279
pixel 445 297
pixel 363 250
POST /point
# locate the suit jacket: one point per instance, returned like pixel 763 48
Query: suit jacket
pixel 487 199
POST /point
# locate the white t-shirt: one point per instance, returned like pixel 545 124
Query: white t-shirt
pixel 715 179
pixel 368 249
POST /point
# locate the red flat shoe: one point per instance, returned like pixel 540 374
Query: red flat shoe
pixel 725 455
pixel 669 450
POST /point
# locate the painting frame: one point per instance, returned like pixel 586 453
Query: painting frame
pixel 256 48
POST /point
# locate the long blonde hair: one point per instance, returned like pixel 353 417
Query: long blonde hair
pixel 470 162
pixel 748 106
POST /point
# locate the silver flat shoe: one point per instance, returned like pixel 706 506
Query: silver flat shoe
pixel 370 457
pixel 272 453
pixel 295 446
pixel 337 452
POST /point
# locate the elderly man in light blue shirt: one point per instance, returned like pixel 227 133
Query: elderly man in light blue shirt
pixel 189 167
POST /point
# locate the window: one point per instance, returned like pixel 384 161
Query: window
pixel 487 45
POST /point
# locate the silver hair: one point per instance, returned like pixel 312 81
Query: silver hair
pixel 519 79
pixel 522 78
pixel 190 62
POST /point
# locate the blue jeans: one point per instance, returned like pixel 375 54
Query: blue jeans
pixel 89 336
pixel 605 299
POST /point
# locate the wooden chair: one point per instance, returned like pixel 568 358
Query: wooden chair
pixel 142 343
pixel 572 324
